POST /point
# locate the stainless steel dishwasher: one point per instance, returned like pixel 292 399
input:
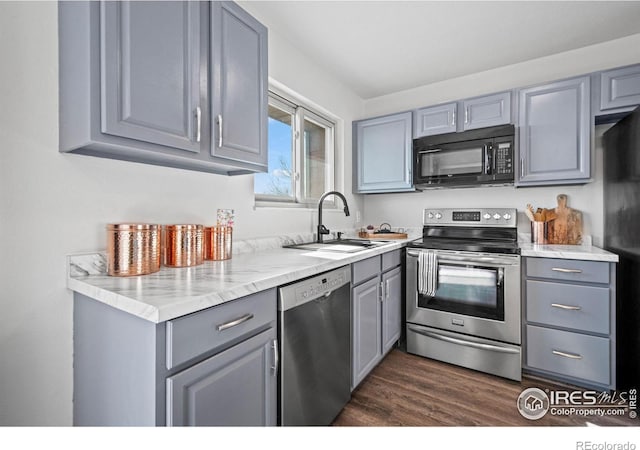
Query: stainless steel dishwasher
pixel 314 327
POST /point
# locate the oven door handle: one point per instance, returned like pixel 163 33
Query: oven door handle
pixel 478 345
pixel 445 257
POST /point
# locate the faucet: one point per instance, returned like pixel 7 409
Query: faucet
pixel 321 228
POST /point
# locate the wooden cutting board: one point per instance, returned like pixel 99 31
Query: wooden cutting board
pixel 566 229
pixel 366 235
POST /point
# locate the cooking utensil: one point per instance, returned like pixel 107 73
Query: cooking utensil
pixel 529 212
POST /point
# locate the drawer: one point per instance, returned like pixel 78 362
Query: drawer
pixel 570 354
pixel 203 331
pixel 568 269
pixel 365 269
pixel 391 259
pixel 568 305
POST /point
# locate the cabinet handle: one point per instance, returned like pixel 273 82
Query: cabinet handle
pixel 466 115
pixel 560 269
pixel 234 322
pixel 381 291
pixel 561 306
pixel 220 130
pixel 566 355
pixel 276 357
pixel 521 167
pixel 387 290
pixel 453 118
pixel 198 123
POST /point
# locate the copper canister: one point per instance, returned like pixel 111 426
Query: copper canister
pixel 217 242
pixel 133 249
pixel 183 245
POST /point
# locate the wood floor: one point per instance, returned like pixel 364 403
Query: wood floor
pixel 408 390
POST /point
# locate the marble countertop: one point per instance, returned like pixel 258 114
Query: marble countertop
pixel 584 252
pixel 256 265
pixel 174 292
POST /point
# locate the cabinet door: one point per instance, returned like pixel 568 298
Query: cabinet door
pixel 620 88
pixel 235 387
pixel 391 308
pixel 487 111
pixel 150 60
pixel 383 154
pixel 366 339
pixel 238 85
pixel 555 133
pixel 435 120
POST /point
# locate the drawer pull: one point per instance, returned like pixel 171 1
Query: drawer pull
pixel 566 355
pixel 569 307
pixel 560 269
pixel 235 322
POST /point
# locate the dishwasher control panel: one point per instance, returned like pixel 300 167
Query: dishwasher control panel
pixel 312 288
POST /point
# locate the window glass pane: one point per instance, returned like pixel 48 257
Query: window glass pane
pixel 278 181
pixel 315 158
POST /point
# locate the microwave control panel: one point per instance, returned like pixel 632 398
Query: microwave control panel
pixel 504 158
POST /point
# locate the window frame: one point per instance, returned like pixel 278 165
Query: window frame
pixel 301 111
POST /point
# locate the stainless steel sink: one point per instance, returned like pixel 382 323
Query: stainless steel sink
pixel 338 245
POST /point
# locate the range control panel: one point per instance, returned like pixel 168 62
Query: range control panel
pixel 489 217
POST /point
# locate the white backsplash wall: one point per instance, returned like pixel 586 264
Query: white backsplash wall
pixel 54 204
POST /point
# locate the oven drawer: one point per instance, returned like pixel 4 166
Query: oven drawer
pixel 572 306
pixel 365 269
pixel 570 354
pixel 203 331
pixel 568 269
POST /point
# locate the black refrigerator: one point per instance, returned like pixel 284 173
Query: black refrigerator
pixel 622 236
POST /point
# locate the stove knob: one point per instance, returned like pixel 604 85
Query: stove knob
pixel 506 216
pixel 487 216
pixel 497 216
pixel 438 216
pixel 430 215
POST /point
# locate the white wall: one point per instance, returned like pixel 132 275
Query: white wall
pixel 406 209
pixel 54 204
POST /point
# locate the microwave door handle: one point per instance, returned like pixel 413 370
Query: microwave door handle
pixel 487 159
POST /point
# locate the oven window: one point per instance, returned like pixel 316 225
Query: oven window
pixel 468 290
pixel 437 163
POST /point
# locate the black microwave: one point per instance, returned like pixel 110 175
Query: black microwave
pixel 484 156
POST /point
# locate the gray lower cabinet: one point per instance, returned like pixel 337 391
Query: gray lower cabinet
pixel 383 154
pixel 217 366
pixel 376 311
pixel 569 328
pixel 555 128
pixel 178 83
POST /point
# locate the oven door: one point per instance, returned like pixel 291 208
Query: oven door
pixel 478 294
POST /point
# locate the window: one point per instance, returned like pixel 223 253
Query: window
pixel 301 155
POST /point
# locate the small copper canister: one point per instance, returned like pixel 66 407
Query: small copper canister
pixel 133 249
pixel 183 245
pixel 217 242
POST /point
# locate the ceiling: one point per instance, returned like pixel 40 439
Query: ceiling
pixel 381 47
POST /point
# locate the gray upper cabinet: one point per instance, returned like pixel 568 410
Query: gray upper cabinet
pixel 435 120
pixel 383 149
pixel 554 130
pixel 487 111
pixel 154 82
pixel 239 85
pixel 619 88
pixel 149 95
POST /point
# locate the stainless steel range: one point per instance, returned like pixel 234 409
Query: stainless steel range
pixel 463 290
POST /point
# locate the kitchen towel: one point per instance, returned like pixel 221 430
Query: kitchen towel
pixel 427 273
